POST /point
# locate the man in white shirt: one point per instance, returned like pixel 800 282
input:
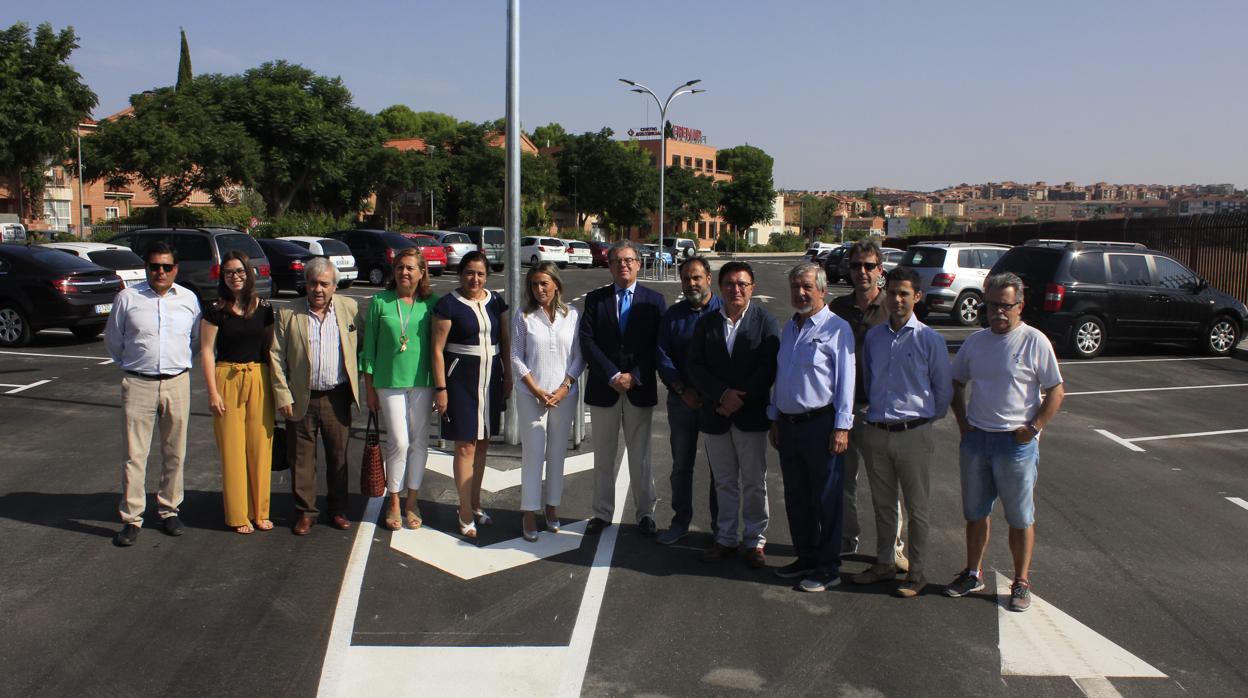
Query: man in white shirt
pixel 1017 390
pixel 150 335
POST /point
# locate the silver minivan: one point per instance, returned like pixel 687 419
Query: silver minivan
pixel 953 275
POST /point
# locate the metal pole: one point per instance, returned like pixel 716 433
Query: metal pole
pixel 662 172
pixel 82 209
pixel 512 223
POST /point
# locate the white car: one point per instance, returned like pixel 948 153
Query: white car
pixel 579 253
pixel 535 249
pixel 337 252
pixel 456 245
pixel 128 265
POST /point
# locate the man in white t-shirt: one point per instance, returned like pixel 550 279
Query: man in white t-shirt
pixel 1017 389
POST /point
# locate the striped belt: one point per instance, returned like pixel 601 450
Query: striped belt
pixel 473 349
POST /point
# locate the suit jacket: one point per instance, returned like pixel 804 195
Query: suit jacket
pixel 608 353
pixel 751 368
pixel 292 367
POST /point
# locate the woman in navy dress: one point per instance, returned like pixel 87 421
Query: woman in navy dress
pixel 471 379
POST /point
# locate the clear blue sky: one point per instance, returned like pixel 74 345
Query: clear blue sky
pixel 842 95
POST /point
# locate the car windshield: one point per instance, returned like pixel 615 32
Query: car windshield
pixel 333 247
pixel 456 239
pixel 287 248
pixel 396 241
pixel 57 260
pixel 1032 264
pixel 492 236
pixel 924 257
pixel 239 241
pixel 579 245
pixel 116 259
pixel 425 242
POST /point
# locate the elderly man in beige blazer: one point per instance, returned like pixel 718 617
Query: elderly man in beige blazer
pixel 315 385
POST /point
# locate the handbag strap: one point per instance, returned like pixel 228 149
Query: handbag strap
pixel 374 424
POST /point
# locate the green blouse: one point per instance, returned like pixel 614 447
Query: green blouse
pixel 390 367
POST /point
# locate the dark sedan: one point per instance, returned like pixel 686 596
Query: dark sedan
pixel 42 288
pixel 286 262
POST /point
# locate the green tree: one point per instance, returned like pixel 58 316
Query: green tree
pixel 173 143
pixel 399 121
pixel 42 101
pixel 750 196
pixel 687 197
pixel 817 212
pixel 184 64
pixel 607 178
pixel 930 226
pixel 550 135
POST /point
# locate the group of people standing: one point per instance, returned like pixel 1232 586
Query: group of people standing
pixel 838 389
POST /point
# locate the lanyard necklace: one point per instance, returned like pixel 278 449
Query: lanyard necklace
pixel 403 324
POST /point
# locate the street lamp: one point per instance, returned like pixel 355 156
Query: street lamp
pixel 663 104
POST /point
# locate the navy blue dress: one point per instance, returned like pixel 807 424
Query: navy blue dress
pixel 474 366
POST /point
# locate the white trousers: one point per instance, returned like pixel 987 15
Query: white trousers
pixel 739 466
pixel 544 435
pixel 405 412
pixel 605 423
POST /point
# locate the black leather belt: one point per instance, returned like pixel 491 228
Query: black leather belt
pixel 804 416
pixel 900 426
pixel 156 376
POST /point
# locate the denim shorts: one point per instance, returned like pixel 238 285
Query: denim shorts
pixel 994 466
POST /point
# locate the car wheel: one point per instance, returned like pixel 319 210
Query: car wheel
pixel 1087 337
pixel 438 272
pixel 87 332
pixel 1221 336
pixel 496 267
pixel 300 291
pixel 345 284
pixel 534 260
pixel 14 328
pixel 376 276
pixel 966 310
pixel 562 265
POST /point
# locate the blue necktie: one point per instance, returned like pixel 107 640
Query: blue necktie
pixel 626 302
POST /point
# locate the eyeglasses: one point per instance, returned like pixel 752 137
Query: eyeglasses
pixel 869 266
pixel 738 284
pixel 241 271
pixel 167 268
pixel 1003 307
pixel 626 261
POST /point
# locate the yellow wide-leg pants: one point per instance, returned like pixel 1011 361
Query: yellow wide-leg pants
pixel 245 439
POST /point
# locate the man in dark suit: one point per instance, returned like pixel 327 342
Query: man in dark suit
pixel 733 363
pixel 619 332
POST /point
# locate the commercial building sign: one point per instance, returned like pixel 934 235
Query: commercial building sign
pixel 679 133
pixel 645 133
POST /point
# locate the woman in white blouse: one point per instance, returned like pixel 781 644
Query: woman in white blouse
pixel 546 357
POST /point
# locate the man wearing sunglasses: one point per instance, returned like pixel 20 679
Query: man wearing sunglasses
pixel 151 335
pixel 862 309
pixel 1017 389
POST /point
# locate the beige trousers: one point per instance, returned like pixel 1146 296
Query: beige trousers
pixel 897 463
pixel 605 424
pixel 146 401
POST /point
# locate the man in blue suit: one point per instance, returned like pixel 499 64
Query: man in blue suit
pixel 619 332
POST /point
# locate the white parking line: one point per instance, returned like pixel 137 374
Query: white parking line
pixel 54 356
pixel 1101 362
pixel 19 388
pixel 1130 443
pixel 1237 502
pixel 1149 390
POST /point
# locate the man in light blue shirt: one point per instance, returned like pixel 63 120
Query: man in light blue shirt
pixel 812 411
pixel 151 334
pixel 907 380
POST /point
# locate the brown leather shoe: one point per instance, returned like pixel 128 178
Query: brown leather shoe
pixel 755 559
pixel 303 525
pixel 340 522
pixel 717 552
pixel 875 573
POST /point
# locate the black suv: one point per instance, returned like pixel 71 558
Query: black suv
pixel 373 251
pixel 1084 294
pixel 200 251
pixel 42 288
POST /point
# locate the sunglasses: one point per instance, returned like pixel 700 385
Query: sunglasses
pixel 869 266
pixel 167 268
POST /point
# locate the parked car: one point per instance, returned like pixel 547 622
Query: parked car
pixel 535 249
pixel 431 250
pixel 831 261
pixel 455 244
pixel 892 257
pixel 1085 294
pixel 599 249
pixel 952 276
pixel 286 261
pixel 648 253
pixel 373 251
pixel 335 250
pixel 490 240
pixel 680 248
pixel 42 288
pixel 200 251
pixel 579 253
pixel 816 247
pixel 128 265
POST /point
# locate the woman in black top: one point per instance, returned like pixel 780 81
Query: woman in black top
pixel 235 336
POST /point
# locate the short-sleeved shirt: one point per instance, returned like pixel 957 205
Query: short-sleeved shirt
pixel 470 320
pixel 384 329
pixel 846 308
pixel 1006 373
pixel 241 340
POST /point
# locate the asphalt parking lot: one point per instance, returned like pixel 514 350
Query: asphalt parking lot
pixel 1142 510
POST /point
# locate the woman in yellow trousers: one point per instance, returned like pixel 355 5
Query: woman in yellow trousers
pixel 236 334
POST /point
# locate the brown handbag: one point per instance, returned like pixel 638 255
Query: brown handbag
pixel 372 470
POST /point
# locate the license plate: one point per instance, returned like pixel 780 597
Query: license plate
pixel 104 309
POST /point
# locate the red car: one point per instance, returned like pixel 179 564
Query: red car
pixel 599 251
pixel 431 250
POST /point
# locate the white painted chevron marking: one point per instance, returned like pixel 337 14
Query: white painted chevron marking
pixel 457 556
pixel 498 480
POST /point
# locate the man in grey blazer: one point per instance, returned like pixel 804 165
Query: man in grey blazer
pixel 733 364
pixel 315 386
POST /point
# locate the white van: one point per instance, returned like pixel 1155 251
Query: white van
pixel 680 248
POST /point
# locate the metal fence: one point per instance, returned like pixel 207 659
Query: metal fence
pixel 1214 246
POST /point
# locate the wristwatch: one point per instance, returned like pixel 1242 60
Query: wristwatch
pixel 1034 429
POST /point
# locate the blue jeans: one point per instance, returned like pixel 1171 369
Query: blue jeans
pixel 682 424
pixel 813 491
pixel 994 466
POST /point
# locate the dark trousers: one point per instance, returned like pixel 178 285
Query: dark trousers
pixel 682 424
pixel 813 491
pixel 329 412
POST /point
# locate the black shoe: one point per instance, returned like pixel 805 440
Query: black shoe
pixel 647 526
pixel 173 526
pixel 126 536
pixel 595 526
pixel 795 570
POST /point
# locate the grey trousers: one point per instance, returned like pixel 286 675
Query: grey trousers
pixel 605 424
pixel 898 463
pixel 739 465
pixel 854 459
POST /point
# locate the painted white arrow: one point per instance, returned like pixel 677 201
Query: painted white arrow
pixel 498 480
pixel 1044 641
pixel 465 560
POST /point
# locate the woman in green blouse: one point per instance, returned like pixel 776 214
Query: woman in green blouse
pixel 398 381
